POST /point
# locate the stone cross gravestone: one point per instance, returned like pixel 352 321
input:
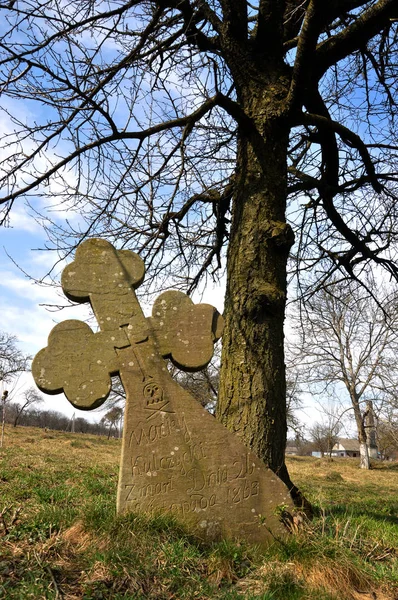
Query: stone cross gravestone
pixel 176 457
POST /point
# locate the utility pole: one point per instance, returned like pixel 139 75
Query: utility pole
pixel 3 420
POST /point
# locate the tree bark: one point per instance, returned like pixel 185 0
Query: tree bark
pixel 17 417
pixel 252 396
pixel 364 462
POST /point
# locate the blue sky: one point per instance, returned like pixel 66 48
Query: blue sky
pixel 22 301
pixel 23 313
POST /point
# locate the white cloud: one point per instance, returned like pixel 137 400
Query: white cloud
pixel 213 294
pixel 22 286
pixel 21 220
pixel 23 313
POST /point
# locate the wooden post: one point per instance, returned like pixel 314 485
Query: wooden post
pixel 3 420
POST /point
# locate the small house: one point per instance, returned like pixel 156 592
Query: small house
pixel 346 448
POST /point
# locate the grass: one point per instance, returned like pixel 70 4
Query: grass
pixel 61 539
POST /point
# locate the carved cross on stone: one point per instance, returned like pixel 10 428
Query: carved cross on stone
pixel 175 456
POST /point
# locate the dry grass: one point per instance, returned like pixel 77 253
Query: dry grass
pixel 302 468
pixel 342 582
pixel 61 539
pixel 50 447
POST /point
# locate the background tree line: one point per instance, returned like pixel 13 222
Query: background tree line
pixel 52 419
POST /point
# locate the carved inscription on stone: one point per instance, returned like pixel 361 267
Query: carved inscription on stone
pixel 181 460
pixel 175 456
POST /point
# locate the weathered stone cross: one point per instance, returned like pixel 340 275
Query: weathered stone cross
pixel 175 456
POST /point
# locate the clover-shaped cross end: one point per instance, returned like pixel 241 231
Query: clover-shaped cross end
pixel 186 332
pixel 80 362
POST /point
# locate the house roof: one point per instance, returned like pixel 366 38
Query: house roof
pixel 347 444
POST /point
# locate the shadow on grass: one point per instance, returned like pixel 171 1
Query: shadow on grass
pixel 354 510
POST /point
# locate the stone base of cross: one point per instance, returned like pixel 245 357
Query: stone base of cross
pixel 176 457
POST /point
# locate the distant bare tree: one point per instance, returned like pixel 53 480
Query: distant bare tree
pixel 81 425
pixel 293 402
pixel 350 339
pixel 113 419
pixel 12 363
pixel 324 436
pixel 12 360
pixel 49 419
pixel 387 437
pixel 31 397
pixel 304 446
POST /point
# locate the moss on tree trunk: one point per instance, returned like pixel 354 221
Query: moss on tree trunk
pixel 252 397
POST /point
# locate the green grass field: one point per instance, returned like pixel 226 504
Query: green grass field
pixel 60 537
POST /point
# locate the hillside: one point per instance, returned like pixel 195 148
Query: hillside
pixel 60 538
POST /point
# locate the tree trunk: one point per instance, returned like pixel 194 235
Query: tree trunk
pixel 17 417
pixel 370 428
pixel 252 397
pixel 364 462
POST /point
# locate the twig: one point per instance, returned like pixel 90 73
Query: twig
pixel 58 593
pixel 2 519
